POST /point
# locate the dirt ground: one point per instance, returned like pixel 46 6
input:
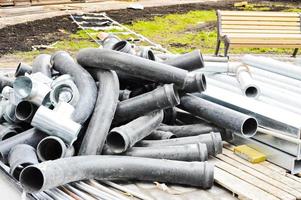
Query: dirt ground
pixel 22 37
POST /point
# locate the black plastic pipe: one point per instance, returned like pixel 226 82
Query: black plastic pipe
pixel 65 64
pixel 122 138
pixel 160 135
pixel 160 98
pixel 189 130
pixel 212 140
pixel 31 137
pixel 188 152
pixel 25 111
pixel 141 68
pixel 22 69
pixel 52 148
pixel 189 61
pixel 220 115
pixel 51 174
pixel 170 116
pixel 42 64
pixel 103 114
pixel 21 156
pixel 188 118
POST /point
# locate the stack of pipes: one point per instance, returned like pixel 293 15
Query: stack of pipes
pixel 116 113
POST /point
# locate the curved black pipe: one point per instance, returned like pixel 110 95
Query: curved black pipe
pixel 189 130
pixel 31 137
pixel 22 69
pixel 160 135
pixel 5 81
pixel 25 111
pixel 65 64
pixel 99 125
pixel 220 115
pixel 160 98
pixel 21 156
pixel 188 152
pixel 212 140
pixel 189 61
pixel 141 68
pixel 42 64
pixel 51 174
pixel 122 138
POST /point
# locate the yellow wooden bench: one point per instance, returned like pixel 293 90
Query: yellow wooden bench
pixel 258 29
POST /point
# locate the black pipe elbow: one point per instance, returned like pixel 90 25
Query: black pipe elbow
pixel 65 64
pixel 102 117
pixel 160 98
pixel 22 69
pixel 51 174
pixel 141 68
pixel 124 137
pixel 42 64
pixel 189 61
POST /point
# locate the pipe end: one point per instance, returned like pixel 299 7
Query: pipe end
pixel 32 179
pixel 23 86
pixel 123 46
pixel 116 142
pixel 217 142
pixel 51 148
pixel 252 91
pixel 24 111
pixel 195 82
pixel 172 94
pixel 209 175
pixel 203 152
pixel 249 127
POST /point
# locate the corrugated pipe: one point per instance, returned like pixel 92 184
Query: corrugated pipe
pixel 212 140
pixel 141 68
pixel 51 174
pixel 8 130
pixel 25 111
pixel 65 64
pixel 220 115
pixel 21 156
pixel 52 148
pixel 188 152
pixel 96 133
pixel 42 64
pixel 122 138
pixel 22 69
pixel 163 97
pixel 189 130
pixel 31 137
pixel 160 135
pixel 189 61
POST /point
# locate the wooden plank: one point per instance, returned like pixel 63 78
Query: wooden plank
pixel 259 13
pixel 273 182
pixel 265 41
pixel 239 45
pixel 247 31
pixel 280 176
pixel 255 18
pixel 243 189
pixel 255 27
pixel 262 23
pixel 266 36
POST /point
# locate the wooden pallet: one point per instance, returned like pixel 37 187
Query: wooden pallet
pixel 254 181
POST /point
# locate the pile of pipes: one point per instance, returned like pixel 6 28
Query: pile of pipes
pixel 117 113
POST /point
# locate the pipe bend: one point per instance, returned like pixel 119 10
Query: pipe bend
pixel 51 174
pixel 65 64
pixel 42 64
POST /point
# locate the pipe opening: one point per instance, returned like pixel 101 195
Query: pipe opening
pixel 32 179
pixel 204 82
pixel 172 137
pixel 63 93
pixel 24 110
pixel 150 55
pixel 17 171
pixel 120 46
pixel 116 142
pixel 8 135
pixel 50 149
pixel 249 127
pixel 23 86
pixel 251 91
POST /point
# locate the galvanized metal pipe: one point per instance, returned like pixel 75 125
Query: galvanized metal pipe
pixel 8 130
pixel 42 64
pixel 22 69
pixel 51 174
pixel 25 111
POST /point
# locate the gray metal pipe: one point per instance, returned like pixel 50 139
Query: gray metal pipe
pixel 122 138
pixel 188 152
pixel 10 114
pixel 160 135
pixel 51 174
pixel 247 84
pixel 22 69
pixel 42 64
pixel 212 140
pixel 31 137
pixel 170 116
pixel 141 68
pixel 52 148
pixel 25 111
pixel 220 115
pixel 123 46
pixel 65 64
pixel 189 130
pixel 8 130
pixel 96 133
pixel 5 81
pixel 163 97
pixel 146 53
pixel 21 156
pixel 189 61
pixel 124 94
pixel 110 41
